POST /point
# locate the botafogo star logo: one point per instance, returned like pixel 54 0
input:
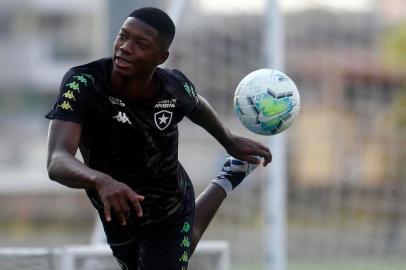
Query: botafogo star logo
pixel 162 119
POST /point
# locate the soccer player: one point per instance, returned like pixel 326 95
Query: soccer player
pixel 122 113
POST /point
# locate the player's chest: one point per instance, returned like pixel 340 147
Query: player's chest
pixel 159 115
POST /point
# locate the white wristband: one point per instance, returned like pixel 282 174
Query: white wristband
pixel 224 184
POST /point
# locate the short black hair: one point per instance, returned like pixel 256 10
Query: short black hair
pixel 157 19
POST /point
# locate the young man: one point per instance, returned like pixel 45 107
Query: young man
pixel 122 113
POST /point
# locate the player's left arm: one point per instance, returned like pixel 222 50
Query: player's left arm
pixel 239 147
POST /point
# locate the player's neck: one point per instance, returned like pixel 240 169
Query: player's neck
pixel 143 87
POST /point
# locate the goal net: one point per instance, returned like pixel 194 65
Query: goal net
pixel 209 255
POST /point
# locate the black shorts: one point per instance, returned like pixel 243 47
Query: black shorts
pixel 162 245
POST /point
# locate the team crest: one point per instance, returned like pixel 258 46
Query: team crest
pixel 162 119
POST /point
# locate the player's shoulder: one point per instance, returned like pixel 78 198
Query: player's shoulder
pixel 180 87
pixel 89 73
pixel 177 79
pixel 173 75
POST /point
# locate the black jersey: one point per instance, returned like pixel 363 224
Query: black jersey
pixel 134 141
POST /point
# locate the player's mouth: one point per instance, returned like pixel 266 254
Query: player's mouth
pixel 122 62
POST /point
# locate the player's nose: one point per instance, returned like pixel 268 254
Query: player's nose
pixel 127 47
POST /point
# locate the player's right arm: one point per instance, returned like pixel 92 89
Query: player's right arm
pixel 63 167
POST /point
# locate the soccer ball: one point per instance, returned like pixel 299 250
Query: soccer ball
pixel 266 101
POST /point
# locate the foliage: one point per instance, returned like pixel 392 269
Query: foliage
pixel 394 47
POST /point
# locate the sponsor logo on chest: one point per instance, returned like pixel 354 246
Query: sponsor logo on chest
pixel 165 104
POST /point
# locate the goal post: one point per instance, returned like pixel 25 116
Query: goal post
pixel 275 246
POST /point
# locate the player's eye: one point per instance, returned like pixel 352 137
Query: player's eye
pixel 143 45
pixel 122 36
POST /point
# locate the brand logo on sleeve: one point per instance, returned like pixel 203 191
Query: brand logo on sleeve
pixel 189 89
pixel 66 106
pixel 69 95
pixel 162 119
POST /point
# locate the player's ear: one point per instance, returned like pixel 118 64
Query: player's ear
pixel 163 57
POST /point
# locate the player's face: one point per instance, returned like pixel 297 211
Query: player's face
pixel 137 49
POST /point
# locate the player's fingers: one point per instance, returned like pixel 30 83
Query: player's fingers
pixel 267 158
pixel 261 146
pixel 135 200
pixel 137 207
pixel 265 148
pixel 118 212
pixel 125 212
pixel 251 159
pixel 255 153
pixel 107 213
pixel 265 153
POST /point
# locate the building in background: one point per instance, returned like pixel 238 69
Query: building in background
pixel 337 60
pixel 335 56
pixel 40 39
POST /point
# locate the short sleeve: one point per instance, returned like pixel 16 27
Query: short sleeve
pixel 72 103
pixel 189 96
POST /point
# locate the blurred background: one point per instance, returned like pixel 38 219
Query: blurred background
pixel 346 189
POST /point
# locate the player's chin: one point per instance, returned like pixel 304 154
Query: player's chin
pixel 124 71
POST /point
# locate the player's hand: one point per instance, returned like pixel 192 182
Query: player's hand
pixel 118 197
pixel 248 150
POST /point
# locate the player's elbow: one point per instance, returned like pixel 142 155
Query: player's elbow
pixel 51 171
pixel 52 168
